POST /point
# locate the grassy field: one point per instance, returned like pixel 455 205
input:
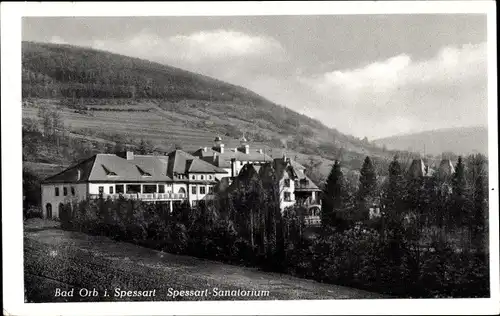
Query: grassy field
pixel 54 258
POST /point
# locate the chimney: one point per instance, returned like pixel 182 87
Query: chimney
pixel 215 157
pixel 130 155
pixel 247 149
pixel 260 151
pixel 205 149
pixel 221 148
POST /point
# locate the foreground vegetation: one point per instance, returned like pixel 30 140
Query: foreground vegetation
pixel 394 254
pixel 54 258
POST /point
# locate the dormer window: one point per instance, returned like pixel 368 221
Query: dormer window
pixel 193 177
pixel 142 172
pixel 202 177
pixel 108 172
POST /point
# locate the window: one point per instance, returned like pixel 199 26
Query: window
pixel 287 183
pixel 101 190
pixel 119 188
pixel 108 172
pixel 202 190
pixel 193 177
pixel 142 172
pixel 210 189
pixel 296 183
pixel 56 191
pixel 111 189
pixel 193 189
pixel 73 191
pixel 161 188
pixel 133 188
pixel 65 191
pixel 288 197
pixel 149 188
pixel 182 190
pixel 210 177
pixel 202 177
pixel 195 203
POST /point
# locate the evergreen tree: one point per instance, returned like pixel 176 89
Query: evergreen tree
pixel 459 187
pixel 478 179
pixel 367 180
pixel 143 147
pixel 333 196
pixel 394 191
pixel 367 189
pixel 459 182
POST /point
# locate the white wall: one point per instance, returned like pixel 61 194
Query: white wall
pixel 284 189
pixel 48 196
pixel 94 188
pixel 177 186
pixel 198 196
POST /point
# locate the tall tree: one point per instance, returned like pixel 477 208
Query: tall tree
pixel 144 147
pixel 367 180
pixel 333 196
pixel 393 196
pixel 477 177
pixel 459 187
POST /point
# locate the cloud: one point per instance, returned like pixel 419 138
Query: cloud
pixel 214 46
pixel 223 44
pixel 402 95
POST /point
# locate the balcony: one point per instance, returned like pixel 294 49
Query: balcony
pixel 312 220
pixel 305 186
pixel 169 196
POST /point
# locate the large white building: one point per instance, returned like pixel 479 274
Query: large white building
pixel 174 178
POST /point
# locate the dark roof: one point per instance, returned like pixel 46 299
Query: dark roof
pixel 180 162
pixel 277 168
pixel 223 160
pixel 76 174
pixel 142 168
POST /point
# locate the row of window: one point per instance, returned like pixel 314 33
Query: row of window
pixel 65 191
pixel 202 189
pixel 201 177
pixel 135 188
pixel 149 188
pixel 304 182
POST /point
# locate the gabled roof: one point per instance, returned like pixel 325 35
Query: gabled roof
pixel 417 169
pixel 224 159
pixel 446 169
pixel 180 162
pixel 78 173
pixel 142 168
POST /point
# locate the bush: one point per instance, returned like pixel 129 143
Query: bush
pixel 32 212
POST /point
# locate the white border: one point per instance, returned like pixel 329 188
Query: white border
pixel 13 287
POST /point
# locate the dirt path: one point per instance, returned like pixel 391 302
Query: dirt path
pixel 55 258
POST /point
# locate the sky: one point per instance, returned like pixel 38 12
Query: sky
pixel 365 75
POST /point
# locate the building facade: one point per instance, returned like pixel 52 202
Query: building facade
pixel 173 179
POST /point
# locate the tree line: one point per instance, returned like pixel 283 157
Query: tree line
pixel 390 254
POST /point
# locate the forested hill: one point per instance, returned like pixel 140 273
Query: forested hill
pixel 76 77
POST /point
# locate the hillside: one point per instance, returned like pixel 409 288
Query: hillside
pixel 100 95
pixel 460 141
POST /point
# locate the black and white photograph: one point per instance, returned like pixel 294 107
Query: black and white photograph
pixel 249 156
